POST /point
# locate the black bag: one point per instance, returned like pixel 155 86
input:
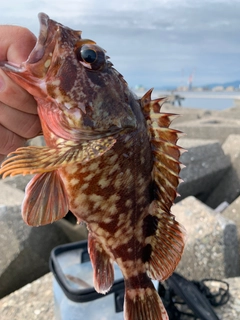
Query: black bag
pixel 196 296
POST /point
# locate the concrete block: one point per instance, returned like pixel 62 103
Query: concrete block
pixel 37 141
pixel 228 188
pixel 229 113
pixel 25 250
pixel 10 196
pixel 33 301
pixel 210 128
pixel 185 114
pixel 232 212
pixel 205 164
pixel 211 250
pixel 74 232
pixel 17 182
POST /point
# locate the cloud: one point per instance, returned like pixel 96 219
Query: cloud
pixel 150 42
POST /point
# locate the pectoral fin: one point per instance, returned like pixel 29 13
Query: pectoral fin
pixel 45 199
pixel 30 160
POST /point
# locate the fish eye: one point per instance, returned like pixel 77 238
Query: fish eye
pixel 91 56
pixel 88 55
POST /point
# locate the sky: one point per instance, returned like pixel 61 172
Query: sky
pixel 154 43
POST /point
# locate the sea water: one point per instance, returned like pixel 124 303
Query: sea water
pixel 207 100
pixel 206 103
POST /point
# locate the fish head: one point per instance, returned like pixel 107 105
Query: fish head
pixel 75 75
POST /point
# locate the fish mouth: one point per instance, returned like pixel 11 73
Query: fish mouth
pixel 39 49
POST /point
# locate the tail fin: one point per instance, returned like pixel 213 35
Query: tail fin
pixel 144 304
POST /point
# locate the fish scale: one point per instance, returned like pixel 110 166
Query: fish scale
pixel 110 158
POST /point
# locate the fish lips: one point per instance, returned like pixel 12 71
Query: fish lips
pixel 39 49
pixel 42 57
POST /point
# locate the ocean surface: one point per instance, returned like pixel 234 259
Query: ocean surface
pixel 219 102
pixel 209 104
pixel 201 100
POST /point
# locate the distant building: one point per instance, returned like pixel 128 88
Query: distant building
pixel 198 89
pixel 140 88
pixel 218 88
pixel 182 88
pixel 230 88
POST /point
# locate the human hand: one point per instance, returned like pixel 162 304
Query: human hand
pixel 18 109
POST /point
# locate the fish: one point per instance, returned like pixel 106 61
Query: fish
pixel 110 158
pixel 80 282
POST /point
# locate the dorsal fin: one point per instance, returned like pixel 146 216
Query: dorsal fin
pixel 166 152
pixel 165 237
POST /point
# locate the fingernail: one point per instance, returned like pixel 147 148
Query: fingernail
pixel 2 84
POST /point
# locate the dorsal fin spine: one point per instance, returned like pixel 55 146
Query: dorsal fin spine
pixel 164 146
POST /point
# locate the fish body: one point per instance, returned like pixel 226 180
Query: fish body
pixel 109 157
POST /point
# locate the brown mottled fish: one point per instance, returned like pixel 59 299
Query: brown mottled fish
pixel 109 157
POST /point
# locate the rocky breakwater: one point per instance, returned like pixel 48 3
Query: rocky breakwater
pixel 209 208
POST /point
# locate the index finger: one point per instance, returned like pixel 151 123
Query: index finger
pixel 15 43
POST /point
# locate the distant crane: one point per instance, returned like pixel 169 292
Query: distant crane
pixel 190 80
